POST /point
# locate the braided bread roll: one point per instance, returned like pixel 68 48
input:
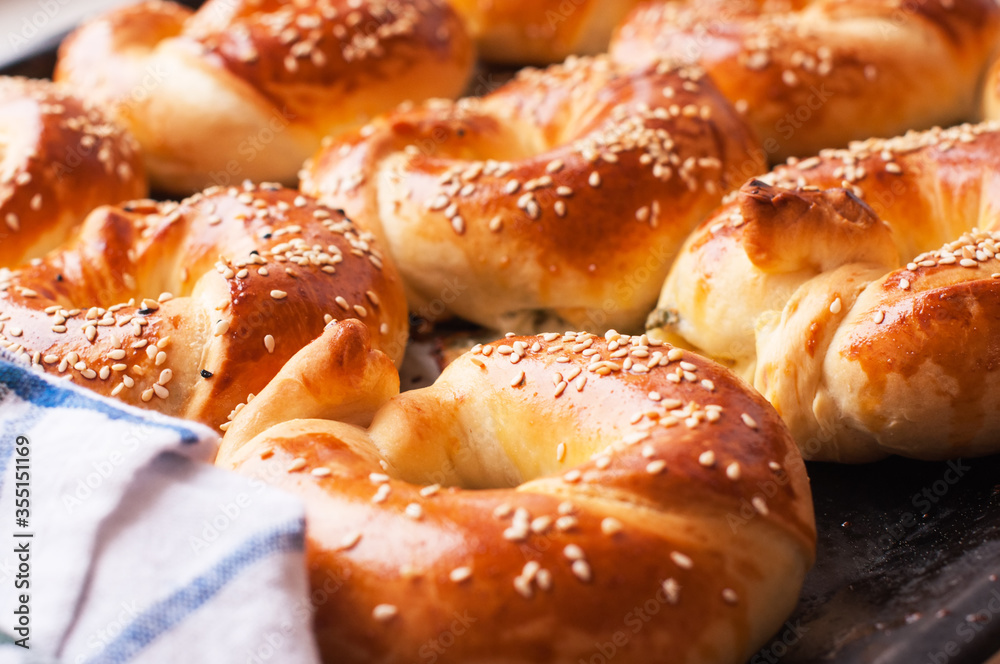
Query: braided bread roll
pixel 245 89
pixel 59 159
pixel 812 74
pixel 557 201
pixel 585 477
pixel 191 308
pixel 860 292
pixel 541 31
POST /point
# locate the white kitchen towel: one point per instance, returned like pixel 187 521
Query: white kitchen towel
pixel 118 543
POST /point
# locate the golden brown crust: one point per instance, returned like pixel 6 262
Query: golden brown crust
pixel 541 31
pixel 243 89
pixel 812 74
pixel 59 159
pixel 823 283
pixel 583 477
pixel 563 195
pixel 189 308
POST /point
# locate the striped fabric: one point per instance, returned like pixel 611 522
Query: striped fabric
pixel 138 550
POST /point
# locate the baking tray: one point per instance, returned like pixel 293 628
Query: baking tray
pixel 908 559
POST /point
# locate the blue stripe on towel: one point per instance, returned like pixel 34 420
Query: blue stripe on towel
pixel 30 386
pixel 167 613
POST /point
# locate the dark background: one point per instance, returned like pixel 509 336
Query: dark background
pixel 908 555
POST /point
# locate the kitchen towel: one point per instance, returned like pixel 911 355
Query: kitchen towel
pixel 120 543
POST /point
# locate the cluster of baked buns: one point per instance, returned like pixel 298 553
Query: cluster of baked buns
pixel 634 486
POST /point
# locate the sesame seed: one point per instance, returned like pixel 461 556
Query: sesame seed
pixel 836 306
pixel 384 612
pixel 879 317
pixel 414 511
pixel 681 560
pixel 430 490
pixel 707 458
pixel 297 464
pixel 269 343
pixel 279 294
pixel 760 505
pixel 523 587
pixel 581 570
pixel 611 526
pixel 672 590
pixel 381 494
pixel 749 421
pixel 656 467
pixel 460 574
pixel 733 471
pixel 320 472
pixel 349 541
pixel 221 327
pixel 729 595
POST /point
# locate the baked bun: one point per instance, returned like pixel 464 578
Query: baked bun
pixel 189 308
pixel 541 31
pixel 245 89
pixel 544 489
pixel 557 201
pixel 59 159
pixel 860 292
pixel 818 74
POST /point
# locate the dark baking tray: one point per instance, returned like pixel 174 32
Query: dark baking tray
pixel 906 568
pixel 908 557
